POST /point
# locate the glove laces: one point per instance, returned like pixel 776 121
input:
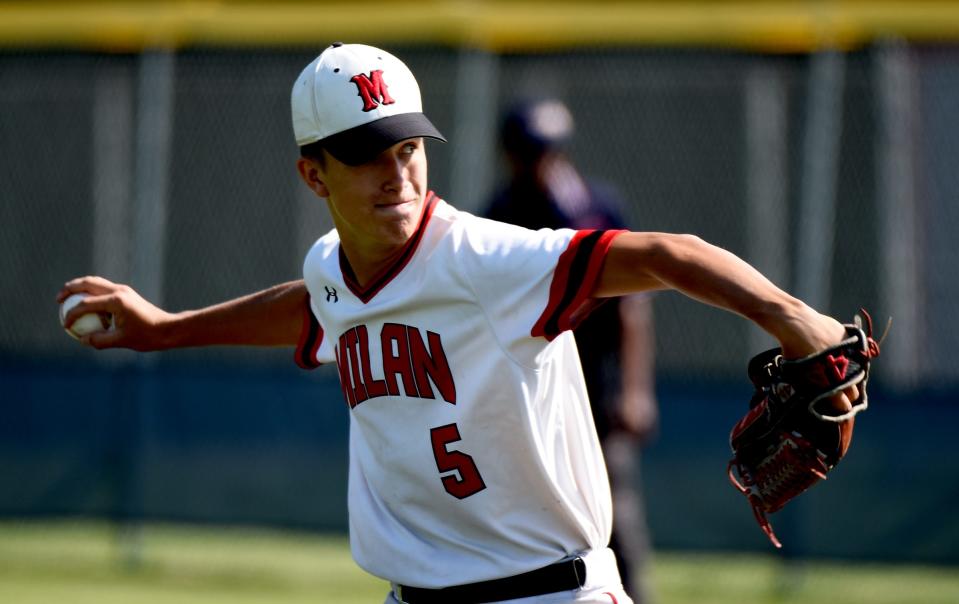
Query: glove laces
pixel 794 467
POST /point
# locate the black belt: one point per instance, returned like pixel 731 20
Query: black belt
pixel 562 576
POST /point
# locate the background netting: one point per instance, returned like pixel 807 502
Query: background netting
pixel 175 172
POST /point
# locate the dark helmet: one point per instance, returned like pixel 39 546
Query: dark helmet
pixel 532 127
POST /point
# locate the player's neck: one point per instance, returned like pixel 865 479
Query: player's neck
pixel 372 244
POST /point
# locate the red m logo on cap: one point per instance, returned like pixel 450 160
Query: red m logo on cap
pixel 373 89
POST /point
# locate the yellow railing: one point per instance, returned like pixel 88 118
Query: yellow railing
pixel 495 25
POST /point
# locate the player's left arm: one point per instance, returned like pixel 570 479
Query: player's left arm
pixel 638 261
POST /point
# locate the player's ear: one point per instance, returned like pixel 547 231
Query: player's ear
pixel 312 175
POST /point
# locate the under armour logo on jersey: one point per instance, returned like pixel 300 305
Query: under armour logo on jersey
pixel 331 294
pixel 372 89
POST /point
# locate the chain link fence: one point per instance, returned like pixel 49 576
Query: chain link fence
pixel 175 172
pixel 835 173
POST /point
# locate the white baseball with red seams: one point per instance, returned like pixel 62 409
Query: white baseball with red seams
pixel 472 447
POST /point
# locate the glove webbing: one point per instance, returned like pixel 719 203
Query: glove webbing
pixel 794 467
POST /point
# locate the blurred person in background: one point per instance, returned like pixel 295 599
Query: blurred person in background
pixel 616 344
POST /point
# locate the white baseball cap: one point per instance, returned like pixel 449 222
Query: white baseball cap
pixel 358 101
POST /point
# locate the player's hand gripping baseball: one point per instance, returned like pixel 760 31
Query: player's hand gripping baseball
pixel 138 324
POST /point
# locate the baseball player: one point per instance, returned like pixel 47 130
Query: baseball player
pixel 475 471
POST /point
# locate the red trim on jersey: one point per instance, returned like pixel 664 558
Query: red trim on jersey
pixel 574 280
pixel 381 279
pixel 311 336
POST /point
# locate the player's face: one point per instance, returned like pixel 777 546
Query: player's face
pixel 376 206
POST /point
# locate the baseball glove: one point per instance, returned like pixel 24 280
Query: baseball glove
pixel 792 437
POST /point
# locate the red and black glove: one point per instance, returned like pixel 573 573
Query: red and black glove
pixel 792 435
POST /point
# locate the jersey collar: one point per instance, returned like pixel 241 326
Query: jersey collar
pixel 381 279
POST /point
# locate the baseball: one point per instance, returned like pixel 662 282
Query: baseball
pixel 88 323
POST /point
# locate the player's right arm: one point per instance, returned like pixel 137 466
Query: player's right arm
pixel 271 317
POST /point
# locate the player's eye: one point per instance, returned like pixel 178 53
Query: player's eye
pixel 410 147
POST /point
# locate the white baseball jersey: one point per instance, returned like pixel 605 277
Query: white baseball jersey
pixel 473 453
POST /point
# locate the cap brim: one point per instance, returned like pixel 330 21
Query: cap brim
pixel 362 144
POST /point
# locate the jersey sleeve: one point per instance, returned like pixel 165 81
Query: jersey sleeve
pixel 309 352
pixel 574 279
pixel 533 283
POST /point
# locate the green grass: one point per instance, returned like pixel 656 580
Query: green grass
pixel 729 579
pixel 92 563
pixel 69 563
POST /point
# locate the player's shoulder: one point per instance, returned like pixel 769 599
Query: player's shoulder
pixel 476 241
pixel 324 250
pixel 327 244
pixel 477 232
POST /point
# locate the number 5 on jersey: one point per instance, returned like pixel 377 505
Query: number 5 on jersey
pixel 469 482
